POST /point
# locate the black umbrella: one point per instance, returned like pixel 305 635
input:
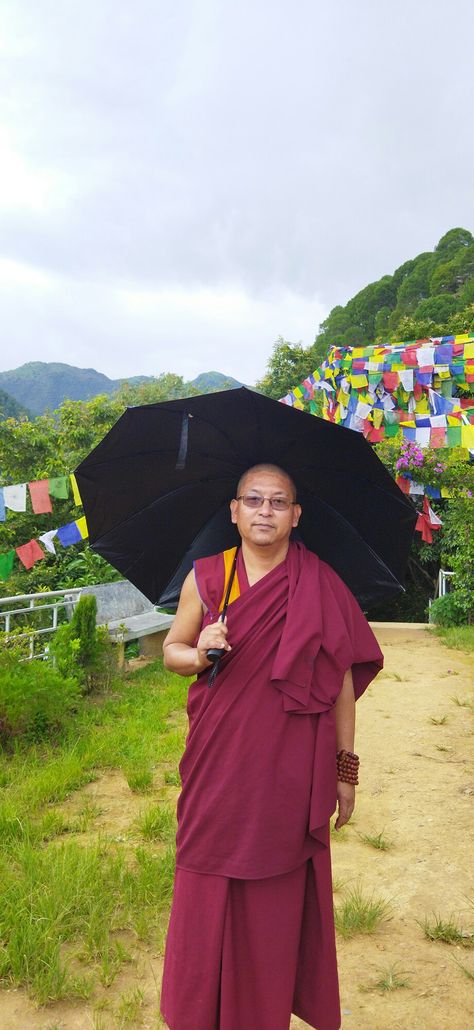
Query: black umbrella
pixel 156 491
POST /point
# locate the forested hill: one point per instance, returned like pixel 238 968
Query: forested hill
pixel 39 386
pixel 10 408
pixel 431 294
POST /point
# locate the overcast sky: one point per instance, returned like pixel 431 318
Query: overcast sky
pixel 182 181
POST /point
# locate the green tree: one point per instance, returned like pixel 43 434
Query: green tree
pixel 288 365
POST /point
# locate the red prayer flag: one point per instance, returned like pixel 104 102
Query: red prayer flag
pixel 390 380
pixel 376 435
pixel 40 498
pixel 403 483
pixel 425 522
pixel 438 437
pixel 29 553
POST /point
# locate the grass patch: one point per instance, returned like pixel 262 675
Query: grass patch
pixel 376 840
pixel 139 780
pixel 447 931
pixel 359 913
pixel 439 722
pixel 461 638
pixel 391 979
pixel 129 1008
pixel 461 702
pixel 65 905
pixel 157 823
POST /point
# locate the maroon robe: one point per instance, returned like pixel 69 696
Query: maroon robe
pixel 259 769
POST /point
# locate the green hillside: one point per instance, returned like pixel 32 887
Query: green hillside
pixel 429 295
pixel 41 386
pixel 209 381
pixel 10 408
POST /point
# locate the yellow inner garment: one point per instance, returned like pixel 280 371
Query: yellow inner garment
pixel 228 557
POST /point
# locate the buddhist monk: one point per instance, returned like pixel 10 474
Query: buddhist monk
pixel 268 758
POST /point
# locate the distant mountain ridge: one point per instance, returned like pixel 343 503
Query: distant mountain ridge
pixel 39 386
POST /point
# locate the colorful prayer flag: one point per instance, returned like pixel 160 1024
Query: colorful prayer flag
pixel 58 487
pixel 69 534
pixel 40 499
pixel 29 553
pixel 15 497
pixel 6 564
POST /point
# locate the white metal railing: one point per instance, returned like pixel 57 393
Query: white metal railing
pixel 443 582
pixel 38 614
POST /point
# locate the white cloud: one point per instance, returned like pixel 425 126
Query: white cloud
pixel 194 179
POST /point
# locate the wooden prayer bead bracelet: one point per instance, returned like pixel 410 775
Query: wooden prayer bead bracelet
pixel 348 766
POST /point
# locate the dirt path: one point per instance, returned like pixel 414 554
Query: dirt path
pixel 417 785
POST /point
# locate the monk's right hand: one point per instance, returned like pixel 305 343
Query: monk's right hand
pixel 212 636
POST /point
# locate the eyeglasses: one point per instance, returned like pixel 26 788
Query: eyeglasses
pixel 256 501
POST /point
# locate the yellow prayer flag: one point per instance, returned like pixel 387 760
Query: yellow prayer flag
pixel 445 492
pixel 378 417
pixel 452 420
pixel 82 527
pixel 469 350
pixel 359 380
pixel 358 352
pixel 75 489
pixel 467 436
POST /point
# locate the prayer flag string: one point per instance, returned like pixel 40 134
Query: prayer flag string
pixel 417 391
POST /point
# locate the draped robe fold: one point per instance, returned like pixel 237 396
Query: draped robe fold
pixel 259 769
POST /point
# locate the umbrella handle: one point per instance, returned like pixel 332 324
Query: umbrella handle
pixel 214 653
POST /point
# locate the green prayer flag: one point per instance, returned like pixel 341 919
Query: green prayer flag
pixel 454 436
pixel 313 407
pixel 446 388
pixel 6 564
pixel 59 487
pixel 391 430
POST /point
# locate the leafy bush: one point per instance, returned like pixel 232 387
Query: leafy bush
pixel 35 700
pixel 83 650
pixel 450 610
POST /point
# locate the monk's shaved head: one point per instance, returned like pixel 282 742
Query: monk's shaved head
pixel 266 467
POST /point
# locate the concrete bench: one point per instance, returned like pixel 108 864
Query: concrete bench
pixel 129 615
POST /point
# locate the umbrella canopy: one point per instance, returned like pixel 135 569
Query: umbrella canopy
pixel 156 491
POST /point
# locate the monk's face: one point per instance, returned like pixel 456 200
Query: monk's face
pixel 265 526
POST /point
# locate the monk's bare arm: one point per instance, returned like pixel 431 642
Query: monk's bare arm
pixel 345 715
pixel 345 733
pixel 179 653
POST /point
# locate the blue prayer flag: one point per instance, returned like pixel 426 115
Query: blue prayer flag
pixel 69 534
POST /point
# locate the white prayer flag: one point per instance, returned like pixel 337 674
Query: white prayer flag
pixel 47 540
pixel 15 497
